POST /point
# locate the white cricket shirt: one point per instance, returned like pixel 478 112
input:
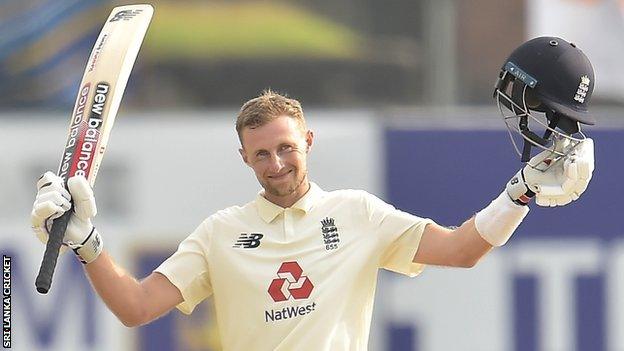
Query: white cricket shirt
pixel 298 278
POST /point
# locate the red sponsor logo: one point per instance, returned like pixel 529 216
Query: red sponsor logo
pixel 290 283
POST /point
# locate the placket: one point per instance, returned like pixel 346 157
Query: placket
pixel 288 223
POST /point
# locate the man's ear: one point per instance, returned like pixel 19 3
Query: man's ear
pixel 243 154
pixel 309 140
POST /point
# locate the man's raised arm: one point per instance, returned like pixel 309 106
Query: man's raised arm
pixel 133 302
pixel 552 184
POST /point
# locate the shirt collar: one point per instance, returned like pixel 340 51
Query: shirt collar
pixel 268 210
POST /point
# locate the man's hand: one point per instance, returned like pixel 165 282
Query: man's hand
pixel 53 200
pixel 558 183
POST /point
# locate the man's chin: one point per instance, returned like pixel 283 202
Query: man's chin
pixel 284 190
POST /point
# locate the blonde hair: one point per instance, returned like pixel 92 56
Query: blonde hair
pixel 266 107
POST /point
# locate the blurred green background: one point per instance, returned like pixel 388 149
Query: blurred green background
pixel 200 54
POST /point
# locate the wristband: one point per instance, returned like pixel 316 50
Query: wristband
pixel 497 222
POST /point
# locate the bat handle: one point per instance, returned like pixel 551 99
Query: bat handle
pixel 55 240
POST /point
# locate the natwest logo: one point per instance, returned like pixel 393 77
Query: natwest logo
pixel 291 282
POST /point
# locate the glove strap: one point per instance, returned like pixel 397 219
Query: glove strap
pixel 90 248
pixel 518 191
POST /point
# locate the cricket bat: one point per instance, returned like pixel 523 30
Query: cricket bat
pixel 99 96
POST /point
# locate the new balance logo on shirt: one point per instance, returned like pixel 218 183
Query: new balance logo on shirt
pixel 248 241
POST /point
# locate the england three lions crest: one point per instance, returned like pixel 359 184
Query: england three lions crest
pixel 583 88
pixel 330 233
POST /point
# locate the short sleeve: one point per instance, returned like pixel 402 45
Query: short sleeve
pixel 187 268
pixel 399 234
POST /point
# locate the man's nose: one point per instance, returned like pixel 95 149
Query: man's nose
pixel 276 163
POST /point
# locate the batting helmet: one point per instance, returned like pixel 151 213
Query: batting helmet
pixel 551 76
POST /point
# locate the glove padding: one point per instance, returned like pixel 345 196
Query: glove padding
pixel 555 184
pixel 53 200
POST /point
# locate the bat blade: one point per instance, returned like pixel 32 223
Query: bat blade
pixel 99 96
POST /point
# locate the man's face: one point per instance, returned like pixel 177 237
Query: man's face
pixel 277 153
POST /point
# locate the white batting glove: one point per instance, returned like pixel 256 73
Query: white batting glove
pixel 53 200
pixel 557 184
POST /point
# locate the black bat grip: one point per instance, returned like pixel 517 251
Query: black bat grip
pixel 55 240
